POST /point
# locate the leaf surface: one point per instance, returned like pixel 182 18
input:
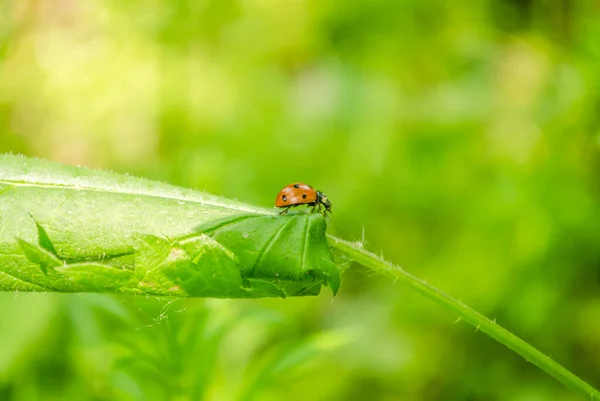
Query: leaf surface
pixel 72 229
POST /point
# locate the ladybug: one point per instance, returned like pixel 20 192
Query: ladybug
pixel 302 194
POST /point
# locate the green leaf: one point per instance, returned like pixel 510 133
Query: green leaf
pixel 71 229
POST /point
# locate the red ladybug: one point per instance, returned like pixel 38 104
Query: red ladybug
pixel 302 194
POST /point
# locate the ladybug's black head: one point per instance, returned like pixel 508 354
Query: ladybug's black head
pixel 322 199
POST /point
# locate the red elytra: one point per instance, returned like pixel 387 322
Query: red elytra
pixel 301 194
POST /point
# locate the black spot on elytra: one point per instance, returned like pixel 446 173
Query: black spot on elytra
pixel 303 196
pixel 296 185
pixel 284 198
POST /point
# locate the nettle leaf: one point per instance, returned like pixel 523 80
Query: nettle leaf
pixel 65 228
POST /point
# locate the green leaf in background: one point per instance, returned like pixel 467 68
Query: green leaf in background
pixel 73 229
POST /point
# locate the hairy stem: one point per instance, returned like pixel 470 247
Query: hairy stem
pixel 467 314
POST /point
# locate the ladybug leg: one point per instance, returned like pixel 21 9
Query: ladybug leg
pixel 284 211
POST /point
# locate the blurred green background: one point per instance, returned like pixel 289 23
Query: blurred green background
pixel 459 139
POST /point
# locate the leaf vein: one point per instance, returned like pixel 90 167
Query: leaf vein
pixel 269 242
pixel 304 249
pixel 17 183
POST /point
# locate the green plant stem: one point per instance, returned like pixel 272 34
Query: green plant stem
pixel 491 328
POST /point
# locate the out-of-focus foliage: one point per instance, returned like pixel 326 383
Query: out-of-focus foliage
pixel 462 139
